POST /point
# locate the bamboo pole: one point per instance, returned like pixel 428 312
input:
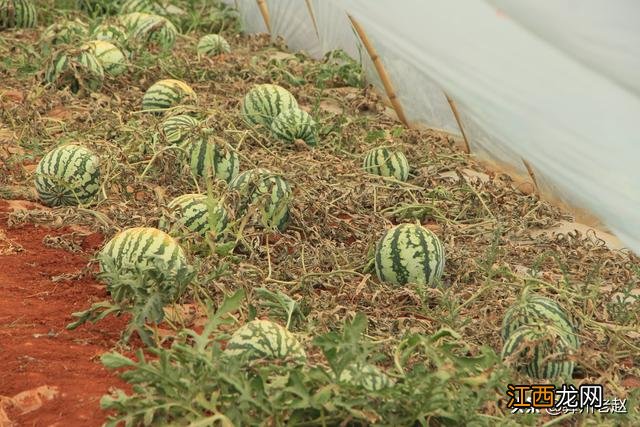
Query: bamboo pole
pixel 536 189
pixel 313 17
pixel 386 82
pixel 264 10
pixel 454 109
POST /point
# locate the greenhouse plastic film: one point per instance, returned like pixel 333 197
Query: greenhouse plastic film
pixel 576 127
pixel 603 35
pixel 522 91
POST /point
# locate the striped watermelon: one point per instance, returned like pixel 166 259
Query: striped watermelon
pixel 266 190
pixel 212 44
pixel 139 246
pixel 113 33
pixel 110 57
pixel 98 7
pixel 68 175
pixel 147 6
pixel 409 253
pixel 66 32
pixel 386 162
pixel 541 350
pixel 534 310
pixel 167 93
pixel 205 154
pixel 265 339
pixel 76 69
pixel 191 212
pixel 17 14
pixel 131 20
pixel 177 129
pixel 366 376
pixel 295 124
pixel 264 102
pixel 146 28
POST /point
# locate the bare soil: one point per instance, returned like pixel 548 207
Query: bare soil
pixel 35 348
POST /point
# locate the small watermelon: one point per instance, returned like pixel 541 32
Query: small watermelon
pixel 295 124
pixel 68 175
pixel 113 33
pixel 269 192
pixel 541 350
pixel 138 247
pixel 177 129
pixel 264 102
pixel 65 32
pixel 110 57
pixel 191 212
pixel 265 339
pixel 131 20
pixel 167 93
pixel 409 253
pixel 74 68
pixel 205 154
pixel 96 8
pixel 17 14
pixel 146 6
pixel 366 376
pixel 386 162
pixel 535 310
pixel 212 44
pixel 149 29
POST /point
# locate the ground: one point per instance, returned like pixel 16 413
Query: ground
pixel 499 239
pixel 37 350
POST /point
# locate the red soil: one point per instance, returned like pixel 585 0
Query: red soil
pixel 35 348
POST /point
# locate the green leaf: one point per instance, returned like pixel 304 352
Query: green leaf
pixel 116 361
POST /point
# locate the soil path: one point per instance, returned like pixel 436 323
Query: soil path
pixel 35 348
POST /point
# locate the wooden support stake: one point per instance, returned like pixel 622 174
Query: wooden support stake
pixel 264 10
pixel 536 189
pixel 386 82
pixel 454 109
pixel 313 17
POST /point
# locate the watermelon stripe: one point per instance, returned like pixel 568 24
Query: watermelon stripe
pixel 409 253
pixel 384 162
pixel 265 339
pixel 263 102
pixel 67 175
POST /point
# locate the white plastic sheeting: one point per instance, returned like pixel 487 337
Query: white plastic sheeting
pixel 555 83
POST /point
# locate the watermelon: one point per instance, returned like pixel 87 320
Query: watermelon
pixel 265 339
pixel 110 57
pixel 534 310
pixel 147 6
pixel 384 161
pixel 177 129
pixel 205 154
pixel 212 44
pixel 167 93
pixel 131 20
pixel 17 14
pixel 98 7
pixel 68 175
pixel 76 69
pixel 65 32
pixel 138 247
pixel 541 350
pixel 149 29
pixel 191 212
pixel 113 33
pixel 366 376
pixel 409 253
pixel 295 124
pixel 264 102
pixel 269 192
